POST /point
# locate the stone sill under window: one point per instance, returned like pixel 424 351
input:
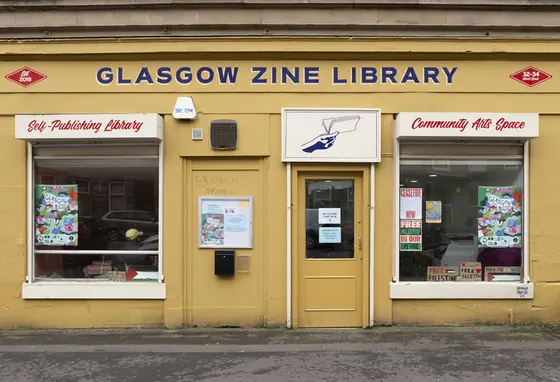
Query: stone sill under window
pixel 462 291
pixel 76 290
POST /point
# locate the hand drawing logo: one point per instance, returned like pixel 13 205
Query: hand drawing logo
pixel 333 128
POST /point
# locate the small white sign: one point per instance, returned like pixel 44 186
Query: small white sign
pixel 471 125
pixel 329 215
pixel 89 126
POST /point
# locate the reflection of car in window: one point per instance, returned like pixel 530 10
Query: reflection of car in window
pixel 114 224
pixel 150 244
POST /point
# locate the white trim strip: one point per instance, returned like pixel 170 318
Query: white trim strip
pixel 371 243
pixel 458 158
pixel 479 290
pixel 289 245
pixel 396 199
pixel 30 214
pixel 160 212
pixel 526 277
pixel 453 162
pixel 92 252
pixel 447 141
pixel 68 290
pixel 93 157
pixel 88 143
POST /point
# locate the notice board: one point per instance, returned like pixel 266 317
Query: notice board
pixel 225 222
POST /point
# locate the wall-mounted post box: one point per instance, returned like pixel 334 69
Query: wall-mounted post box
pixel 224 263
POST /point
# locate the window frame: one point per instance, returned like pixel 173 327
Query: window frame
pixel 87 288
pixel 457 290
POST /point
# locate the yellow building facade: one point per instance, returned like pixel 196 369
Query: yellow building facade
pixel 279 280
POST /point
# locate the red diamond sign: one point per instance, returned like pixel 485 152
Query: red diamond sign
pixel 25 77
pixel 530 76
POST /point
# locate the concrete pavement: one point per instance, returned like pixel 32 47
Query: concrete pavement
pixel 380 354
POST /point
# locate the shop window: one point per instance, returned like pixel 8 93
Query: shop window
pixel 461 212
pixel 96 212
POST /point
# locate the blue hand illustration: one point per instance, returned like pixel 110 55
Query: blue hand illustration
pixel 321 142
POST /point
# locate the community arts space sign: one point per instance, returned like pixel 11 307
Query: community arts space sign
pixel 347 74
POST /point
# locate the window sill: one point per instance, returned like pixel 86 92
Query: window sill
pixel 75 290
pixel 461 291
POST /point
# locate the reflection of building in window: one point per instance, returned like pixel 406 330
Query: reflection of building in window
pixel 47 179
pixel 331 193
pixel 84 197
pixel 322 195
pixel 117 196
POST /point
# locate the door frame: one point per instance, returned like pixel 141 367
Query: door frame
pixel 326 169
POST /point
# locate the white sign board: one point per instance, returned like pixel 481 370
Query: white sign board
pixel 468 125
pixel 329 215
pixel 331 135
pixel 89 126
pixel 225 222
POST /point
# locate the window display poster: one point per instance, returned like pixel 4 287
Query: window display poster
pixel 56 219
pixel 329 215
pixel 502 274
pixel 471 271
pixel 410 203
pixel 433 211
pixel 330 235
pixel 499 217
pixel 443 274
pixel 225 222
pixel 410 235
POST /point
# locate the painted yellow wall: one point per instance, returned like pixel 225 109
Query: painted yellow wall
pixel 194 295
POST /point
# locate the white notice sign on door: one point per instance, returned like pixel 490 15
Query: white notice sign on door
pixel 329 215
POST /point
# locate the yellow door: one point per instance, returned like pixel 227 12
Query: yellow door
pixel 329 250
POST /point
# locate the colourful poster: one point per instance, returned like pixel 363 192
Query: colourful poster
pixel 212 229
pixel 56 220
pixel 433 211
pixel 499 217
pixel 410 235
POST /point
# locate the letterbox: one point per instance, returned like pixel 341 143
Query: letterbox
pixel 224 263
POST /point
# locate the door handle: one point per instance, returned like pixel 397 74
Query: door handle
pixel 359 243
